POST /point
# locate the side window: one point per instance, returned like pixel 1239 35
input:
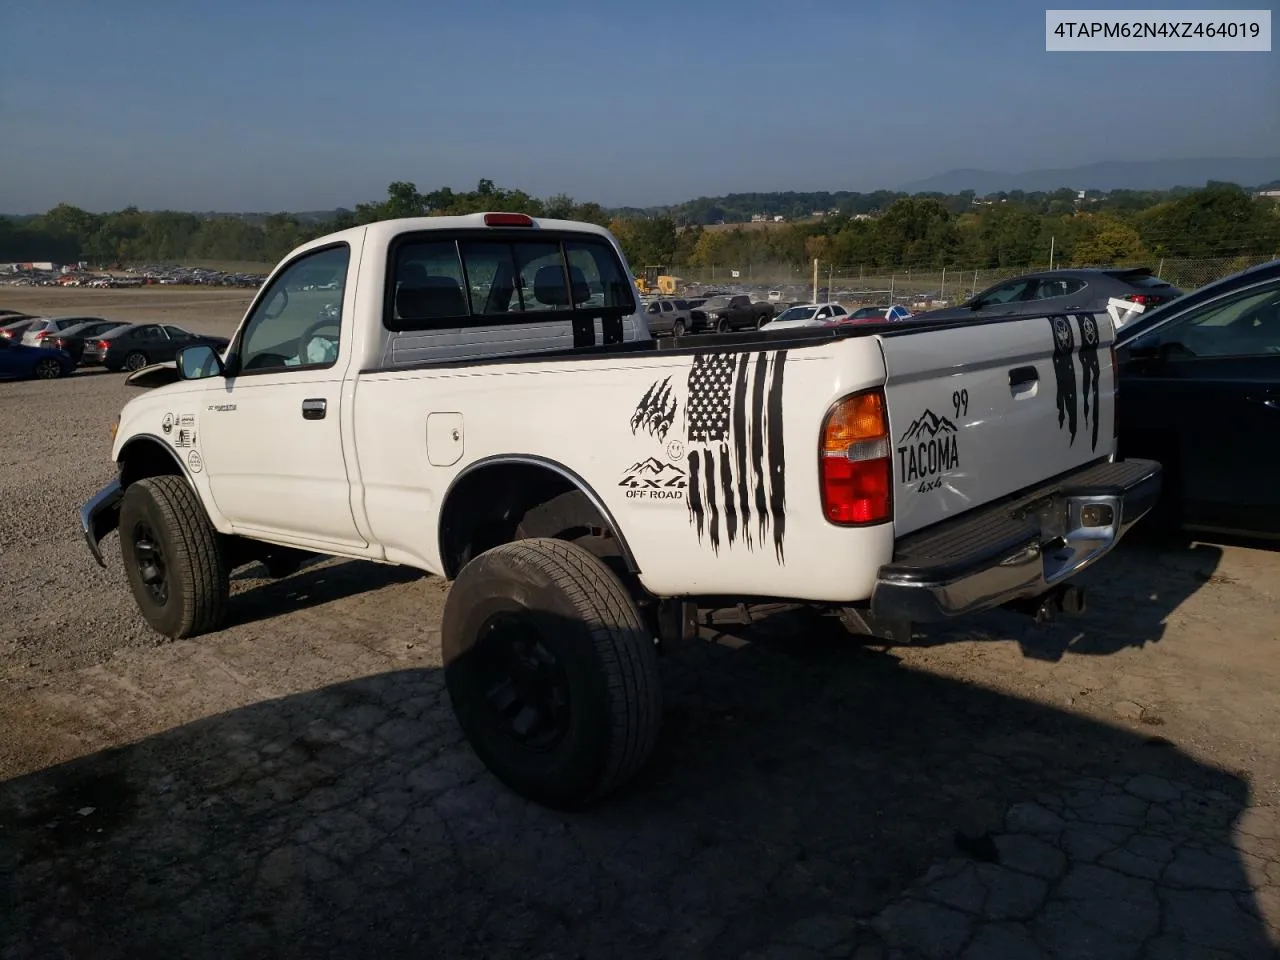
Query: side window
pixel 298 320
pixel 839 311
pixel 177 334
pixel 1009 292
pixel 667 307
pixel 823 314
pixel 654 308
pixel 1246 325
pixel 428 282
pixel 150 332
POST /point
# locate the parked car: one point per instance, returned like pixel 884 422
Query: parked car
pixel 14 329
pixel 737 312
pixel 45 327
pixel 584 486
pixel 1061 291
pixel 806 315
pixel 137 345
pixel 880 314
pixel 673 316
pixel 1199 388
pixel 19 362
pixel 72 339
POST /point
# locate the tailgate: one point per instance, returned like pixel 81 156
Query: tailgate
pixel 980 411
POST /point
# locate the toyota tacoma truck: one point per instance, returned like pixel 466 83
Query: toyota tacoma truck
pixel 479 397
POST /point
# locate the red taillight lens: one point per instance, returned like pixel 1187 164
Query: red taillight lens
pixel 42 334
pixel 855 461
pixel 1146 299
pixel 507 220
pixel 104 345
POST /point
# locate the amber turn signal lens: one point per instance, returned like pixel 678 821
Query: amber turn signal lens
pixel 853 419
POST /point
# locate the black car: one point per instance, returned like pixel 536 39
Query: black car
pixel 1062 291
pixel 137 345
pixel 1199 391
pixel 72 339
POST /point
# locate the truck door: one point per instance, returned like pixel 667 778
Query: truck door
pixel 270 435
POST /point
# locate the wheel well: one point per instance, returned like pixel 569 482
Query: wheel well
pixel 144 457
pixel 508 501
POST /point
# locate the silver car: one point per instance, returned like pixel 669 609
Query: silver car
pixel 51 326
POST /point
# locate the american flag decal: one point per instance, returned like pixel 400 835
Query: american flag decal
pixel 733 419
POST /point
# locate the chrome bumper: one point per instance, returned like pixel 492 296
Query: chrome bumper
pixel 1017 549
pixel 99 516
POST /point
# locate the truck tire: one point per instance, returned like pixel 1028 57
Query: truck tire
pixel 173 558
pixel 551 673
pixel 677 328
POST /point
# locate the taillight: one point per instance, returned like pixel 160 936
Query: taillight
pixel 507 220
pixel 855 461
pixel 1146 299
pixel 42 334
pixel 104 345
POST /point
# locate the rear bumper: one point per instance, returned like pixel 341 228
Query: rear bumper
pixel 99 516
pixel 1015 549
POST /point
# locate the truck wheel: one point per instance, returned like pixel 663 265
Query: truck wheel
pixel 722 326
pixel 173 558
pixel 552 675
pixel 677 328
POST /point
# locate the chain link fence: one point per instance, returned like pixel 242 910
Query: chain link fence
pixel 924 287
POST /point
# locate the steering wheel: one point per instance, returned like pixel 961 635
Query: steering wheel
pixel 309 334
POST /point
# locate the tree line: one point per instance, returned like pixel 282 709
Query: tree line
pixel 870 230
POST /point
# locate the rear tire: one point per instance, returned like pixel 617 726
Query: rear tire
pixel 173 558
pixel 552 675
pixel 677 328
pixel 47 368
pixel 135 361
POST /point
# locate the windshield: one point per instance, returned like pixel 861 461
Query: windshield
pixel 797 313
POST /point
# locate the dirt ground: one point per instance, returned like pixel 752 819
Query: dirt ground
pixel 295 785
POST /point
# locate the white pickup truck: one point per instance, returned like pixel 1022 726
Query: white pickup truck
pixel 479 397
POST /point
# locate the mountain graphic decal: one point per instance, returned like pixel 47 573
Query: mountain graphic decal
pixel 653 473
pixel 928 424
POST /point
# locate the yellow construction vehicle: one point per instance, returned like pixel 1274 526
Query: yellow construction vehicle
pixel 657 280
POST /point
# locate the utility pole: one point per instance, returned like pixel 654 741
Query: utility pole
pixel 815 280
pixel 942 289
pixel 1051 241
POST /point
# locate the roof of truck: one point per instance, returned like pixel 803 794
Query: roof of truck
pixel 384 230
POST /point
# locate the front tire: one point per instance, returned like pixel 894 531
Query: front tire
pixel 551 672
pixel 677 328
pixel 173 558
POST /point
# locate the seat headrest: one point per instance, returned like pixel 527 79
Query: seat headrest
pixel 548 287
pixel 428 297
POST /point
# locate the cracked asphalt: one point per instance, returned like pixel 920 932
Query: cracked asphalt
pixel 295 785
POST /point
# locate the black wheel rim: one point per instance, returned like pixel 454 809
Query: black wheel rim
pixel 47 369
pixel 149 558
pixel 522 682
pixel 136 362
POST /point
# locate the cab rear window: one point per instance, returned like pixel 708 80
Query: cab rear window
pixel 481 279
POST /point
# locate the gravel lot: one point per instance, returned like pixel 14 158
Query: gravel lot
pixel 295 785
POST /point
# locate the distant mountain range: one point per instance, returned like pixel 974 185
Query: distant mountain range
pixel 1106 175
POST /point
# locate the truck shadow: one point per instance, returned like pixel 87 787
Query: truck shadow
pixel 816 805
pixel 255 597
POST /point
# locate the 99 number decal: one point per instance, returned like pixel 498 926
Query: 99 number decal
pixel 960 401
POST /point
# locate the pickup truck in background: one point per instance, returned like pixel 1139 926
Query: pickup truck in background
pixel 479 397
pixel 725 314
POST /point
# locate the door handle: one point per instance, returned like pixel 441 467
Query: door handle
pixel 314 409
pixel 1020 376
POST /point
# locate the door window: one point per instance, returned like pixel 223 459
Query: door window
pixel 1245 325
pixel 1009 292
pixel 297 322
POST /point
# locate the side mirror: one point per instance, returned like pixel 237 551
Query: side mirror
pixel 199 362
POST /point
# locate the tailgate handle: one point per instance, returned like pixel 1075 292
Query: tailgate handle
pixel 1020 376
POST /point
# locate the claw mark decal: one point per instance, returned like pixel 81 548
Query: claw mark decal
pixel 1089 371
pixel 734 439
pixel 1064 372
pixel 656 410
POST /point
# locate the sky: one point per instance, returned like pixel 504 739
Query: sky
pixel 240 106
